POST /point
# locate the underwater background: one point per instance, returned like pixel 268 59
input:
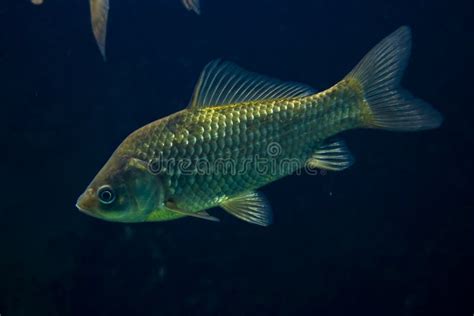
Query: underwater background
pixel 392 235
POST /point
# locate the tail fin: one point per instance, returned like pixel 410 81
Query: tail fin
pixel 192 5
pixel 380 73
pixel 99 16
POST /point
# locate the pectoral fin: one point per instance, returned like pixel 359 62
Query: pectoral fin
pixel 251 207
pixel 99 15
pixel 170 205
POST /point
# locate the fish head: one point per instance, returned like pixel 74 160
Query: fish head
pixel 124 190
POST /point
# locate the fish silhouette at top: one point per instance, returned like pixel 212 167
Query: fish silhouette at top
pixel 100 13
pixel 240 118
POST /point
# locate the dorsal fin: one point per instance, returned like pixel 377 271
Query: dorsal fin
pixel 224 83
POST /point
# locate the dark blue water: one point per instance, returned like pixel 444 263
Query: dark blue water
pixel 393 235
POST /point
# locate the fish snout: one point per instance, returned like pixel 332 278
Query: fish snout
pixel 83 203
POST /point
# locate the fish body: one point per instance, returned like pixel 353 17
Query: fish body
pixel 239 137
pixel 242 131
pixel 99 10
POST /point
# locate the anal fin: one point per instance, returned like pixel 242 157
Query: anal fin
pixel 334 156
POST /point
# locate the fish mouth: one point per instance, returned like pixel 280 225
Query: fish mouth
pixel 86 211
pixel 82 208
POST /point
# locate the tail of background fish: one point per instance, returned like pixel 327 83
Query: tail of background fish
pixel 378 75
pixel 192 5
pixel 100 12
pixel 99 15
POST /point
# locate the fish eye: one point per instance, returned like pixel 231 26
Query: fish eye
pixel 106 194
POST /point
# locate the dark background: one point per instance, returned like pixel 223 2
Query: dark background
pixel 393 235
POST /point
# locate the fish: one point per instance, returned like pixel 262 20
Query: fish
pixel 192 5
pixel 242 131
pixel 100 13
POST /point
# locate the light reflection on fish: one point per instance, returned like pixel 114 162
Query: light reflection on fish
pixel 99 15
pixel 238 116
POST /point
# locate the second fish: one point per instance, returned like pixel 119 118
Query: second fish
pixel 100 13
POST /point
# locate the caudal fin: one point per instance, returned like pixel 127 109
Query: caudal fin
pixel 99 15
pixel 192 5
pixel 379 73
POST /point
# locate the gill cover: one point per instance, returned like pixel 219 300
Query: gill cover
pixel 145 187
